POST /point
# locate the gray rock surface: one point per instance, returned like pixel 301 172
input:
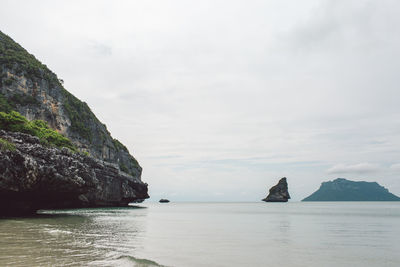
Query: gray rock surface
pixel 279 192
pixel 33 176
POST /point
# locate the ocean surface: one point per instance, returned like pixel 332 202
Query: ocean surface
pixel 208 234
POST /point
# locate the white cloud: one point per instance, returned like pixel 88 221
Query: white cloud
pixel 360 168
pixel 99 49
pixel 395 167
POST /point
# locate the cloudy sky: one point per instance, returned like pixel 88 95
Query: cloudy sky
pixel 219 99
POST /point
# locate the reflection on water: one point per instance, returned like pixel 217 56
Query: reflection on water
pixel 72 237
pixel 207 234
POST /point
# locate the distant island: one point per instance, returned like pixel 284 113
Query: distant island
pixel 342 189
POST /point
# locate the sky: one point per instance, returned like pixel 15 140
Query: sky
pixel 217 100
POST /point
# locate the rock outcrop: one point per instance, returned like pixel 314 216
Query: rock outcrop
pixel 279 192
pixel 342 189
pixel 163 200
pixel 33 90
pixel 33 176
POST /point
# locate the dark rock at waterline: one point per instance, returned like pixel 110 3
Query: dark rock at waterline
pixel 342 189
pixel 163 200
pixel 279 192
pixel 34 176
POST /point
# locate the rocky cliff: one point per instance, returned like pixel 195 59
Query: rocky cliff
pixel 34 177
pixel 96 170
pixel 33 90
pixel 279 192
pixel 342 189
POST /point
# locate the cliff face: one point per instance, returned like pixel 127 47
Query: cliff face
pixel 35 177
pixel 279 192
pixel 34 91
pixel 341 189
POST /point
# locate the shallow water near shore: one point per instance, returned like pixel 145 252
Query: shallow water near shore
pixel 207 234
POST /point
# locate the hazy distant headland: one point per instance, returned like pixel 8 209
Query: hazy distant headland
pixel 342 189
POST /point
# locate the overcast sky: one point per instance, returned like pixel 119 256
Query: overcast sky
pixel 219 99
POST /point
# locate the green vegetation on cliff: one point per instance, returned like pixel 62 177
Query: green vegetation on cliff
pixel 10 103
pixel 30 87
pixel 119 146
pixel 14 56
pixel 10 120
pixel 79 114
pixel 24 100
pixel 6 146
pixel 15 122
pixel 5 105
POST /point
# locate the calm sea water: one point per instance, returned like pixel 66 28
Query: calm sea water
pixel 208 234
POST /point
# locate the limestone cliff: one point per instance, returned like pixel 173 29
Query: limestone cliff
pixel 40 172
pixel 36 92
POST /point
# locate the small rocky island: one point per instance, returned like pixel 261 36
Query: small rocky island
pixel 279 192
pixel 342 189
pixel 164 200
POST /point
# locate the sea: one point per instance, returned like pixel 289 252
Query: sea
pixel 207 234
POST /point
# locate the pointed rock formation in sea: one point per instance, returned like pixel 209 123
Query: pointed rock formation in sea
pixel 279 192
